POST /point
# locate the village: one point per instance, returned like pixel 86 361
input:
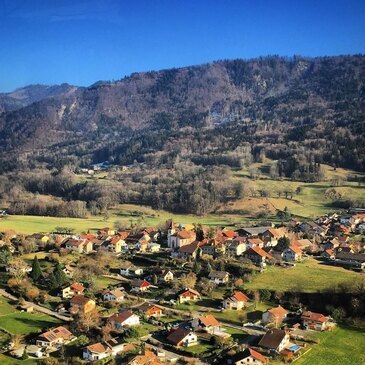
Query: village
pixel 175 293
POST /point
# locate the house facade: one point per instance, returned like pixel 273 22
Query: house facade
pixel 237 300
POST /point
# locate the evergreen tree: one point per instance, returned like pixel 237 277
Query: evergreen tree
pixel 58 278
pixel 154 279
pixel 197 267
pixel 36 272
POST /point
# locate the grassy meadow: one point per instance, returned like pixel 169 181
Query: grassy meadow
pixel 342 346
pixel 308 276
pixel 22 323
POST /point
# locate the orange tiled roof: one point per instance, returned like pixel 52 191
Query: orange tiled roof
pixel 278 311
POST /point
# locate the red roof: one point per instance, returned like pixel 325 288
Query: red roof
pixel 255 241
pixel 77 286
pixel 184 234
pixel 261 252
pixel 208 320
pixel 229 234
pixel 279 311
pixel 239 296
pixel 257 355
pixel 296 249
pixel 190 293
pixel 316 317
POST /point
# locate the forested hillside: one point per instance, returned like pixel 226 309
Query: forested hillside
pixel 188 127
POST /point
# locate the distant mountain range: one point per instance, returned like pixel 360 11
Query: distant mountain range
pixel 27 95
pixel 282 106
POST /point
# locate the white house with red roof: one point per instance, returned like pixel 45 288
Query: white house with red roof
pixel 237 300
pixel 140 285
pixel 188 295
pixel 72 290
pixel 249 357
pixel 123 319
pixel 292 253
pixel 315 321
pixel 274 315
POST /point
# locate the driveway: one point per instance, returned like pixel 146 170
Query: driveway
pixel 37 307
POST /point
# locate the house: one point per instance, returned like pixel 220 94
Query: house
pixel 150 310
pixel 78 245
pixel 188 251
pixel 138 285
pixel 107 231
pixel 56 336
pixel 188 295
pixel 253 231
pixel 237 300
pixel 353 259
pixel 275 340
pixel 69 270
pixel 123 319
pixel 258 256
pixel 252 242
pixel 229 233
pixel 219 277
pixel 115 295
pixel 40 237
pixel 80 303
pixel 101 350
pixel 153 247
pixel 114 244
pixel 148 358
pixel 248 357
pixel 315 321
pixel 142 245
pixel 128 269
pixel 328 254
pixel 72 290
pixel 236 247
pixel 177 239
pixel 271 236
pixel 292 253
pixel 182 337
pixel 207 323
pixel 304 244
pixel 274 315
pixel 166 276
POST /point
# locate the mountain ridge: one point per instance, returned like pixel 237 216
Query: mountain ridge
pixel 272 90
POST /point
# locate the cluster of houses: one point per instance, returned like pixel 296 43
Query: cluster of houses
pixel 114 241
pixel 327 236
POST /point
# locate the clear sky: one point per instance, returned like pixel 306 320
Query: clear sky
pixel 83 41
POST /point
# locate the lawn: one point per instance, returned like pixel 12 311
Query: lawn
pixel 236 334
pixel 343 346
pixel 22 323
pixel 249 314
pixel 7 360
pixel 308 276
pixel 125 214
pixel 102 282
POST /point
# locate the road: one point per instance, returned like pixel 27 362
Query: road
pixel 174 356
pixel 37 307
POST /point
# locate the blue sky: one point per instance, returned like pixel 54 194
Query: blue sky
pixel 83 41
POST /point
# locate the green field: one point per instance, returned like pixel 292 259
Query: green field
pixel 22 323
pixel 343 346
pixel 7 360
pixel 308 276
pixel 125 214
pixel 310 201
